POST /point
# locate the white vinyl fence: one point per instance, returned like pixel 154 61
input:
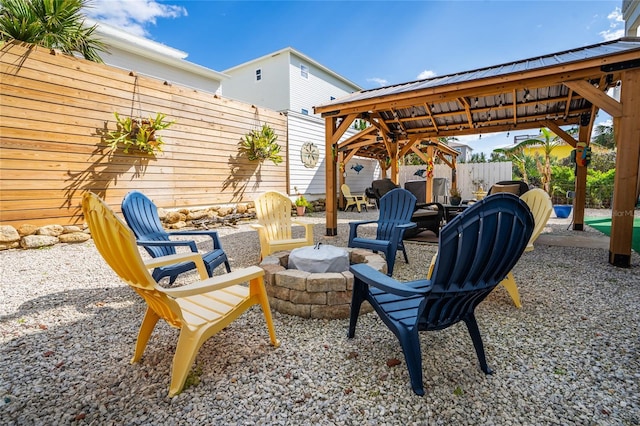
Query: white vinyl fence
pixel 469 175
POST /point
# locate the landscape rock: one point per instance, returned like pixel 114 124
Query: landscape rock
pixel 37 241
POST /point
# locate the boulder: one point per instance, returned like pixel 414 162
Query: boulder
pixel 8 234
pixel 37 241
pixel 27 229
pixel 74 237
pixel 50 230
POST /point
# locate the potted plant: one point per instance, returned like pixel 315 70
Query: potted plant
pixel 138 134
pixel 301 204
pixel 562 211
pixel 456 197
pixel 261 145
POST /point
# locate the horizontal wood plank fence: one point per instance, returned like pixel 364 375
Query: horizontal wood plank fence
pixel 55 111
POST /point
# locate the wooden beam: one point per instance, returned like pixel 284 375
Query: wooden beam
pixel 347 120
pixel 626 179
pixel 561 133
pixel 596 97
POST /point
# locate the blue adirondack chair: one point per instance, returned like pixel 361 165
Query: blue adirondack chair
pixel 477 249
pixel 396 209
pixel 141 215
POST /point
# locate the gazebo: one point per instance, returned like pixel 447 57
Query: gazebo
pixel 555 90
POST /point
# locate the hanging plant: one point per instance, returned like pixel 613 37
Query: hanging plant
pixel 138 134
pixel 261 145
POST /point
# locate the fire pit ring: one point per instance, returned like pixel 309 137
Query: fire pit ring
pixel 311 294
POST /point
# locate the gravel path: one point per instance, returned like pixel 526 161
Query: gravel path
pixel 571 355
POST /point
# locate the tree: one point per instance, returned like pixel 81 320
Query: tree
pixel 604 136
pixel 55 24
pixel 516 155
pixel 548 141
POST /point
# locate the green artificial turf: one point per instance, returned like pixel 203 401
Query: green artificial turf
pixel 603 224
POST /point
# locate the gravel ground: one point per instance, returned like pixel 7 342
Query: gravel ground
pixel 571 355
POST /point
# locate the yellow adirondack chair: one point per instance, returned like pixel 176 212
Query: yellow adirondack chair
pixel 353 199
pixel 540 205
pixel 273 211
pixel 199 310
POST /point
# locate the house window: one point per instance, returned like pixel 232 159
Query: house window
pixel 304 71
pixel 258 74
pixel 305 112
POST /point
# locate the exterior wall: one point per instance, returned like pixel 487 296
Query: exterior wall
pixel 359 181
pixel 311 181
pixel 272 91
pixel 131 62
pixel 560 151
pixel 56 110
pixel 316 89
pixel 631 14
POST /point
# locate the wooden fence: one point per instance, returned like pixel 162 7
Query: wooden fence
pixel 56 109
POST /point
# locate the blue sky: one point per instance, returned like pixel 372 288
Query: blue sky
pixel 371 43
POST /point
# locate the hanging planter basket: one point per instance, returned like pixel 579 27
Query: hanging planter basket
pixel 138 134
pixel 260 145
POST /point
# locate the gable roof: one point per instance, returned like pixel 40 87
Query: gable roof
pixel 146 48
pixel 292 51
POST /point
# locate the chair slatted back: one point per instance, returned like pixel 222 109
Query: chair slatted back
pixel 541 207
pixel 396 208
pixel 477 249
pixel 142 217
pixel 117 244
pixel 273 211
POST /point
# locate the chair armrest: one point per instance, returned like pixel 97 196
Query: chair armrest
pixel 355 225
pixel 215 283
pixel 173 259
pixel 212 234
pixel 353 228
pixel 406 226
pixel 307 225
pixel 375 278
pixel 191 244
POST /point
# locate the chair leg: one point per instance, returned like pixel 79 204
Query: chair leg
pixel 509 283
pixel 227 266
pixel 404 252
pixel 189 343
pixel 266 309
pixel 410 342
pixel 357 297
pixel 146 328
pixel 474 332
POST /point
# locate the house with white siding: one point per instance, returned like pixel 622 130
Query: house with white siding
pixel 292 83
pixel 143 56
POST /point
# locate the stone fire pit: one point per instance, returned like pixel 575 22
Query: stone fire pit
pixel 314 295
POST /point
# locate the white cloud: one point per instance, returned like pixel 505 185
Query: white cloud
pixel 616 26
pixel 132 15
pixel 426 74
pixel 379 81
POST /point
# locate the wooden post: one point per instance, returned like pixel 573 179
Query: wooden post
pixel 331 211
pixel 395 172
pixel 580 186
pixel 625 193
pixel 429 184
